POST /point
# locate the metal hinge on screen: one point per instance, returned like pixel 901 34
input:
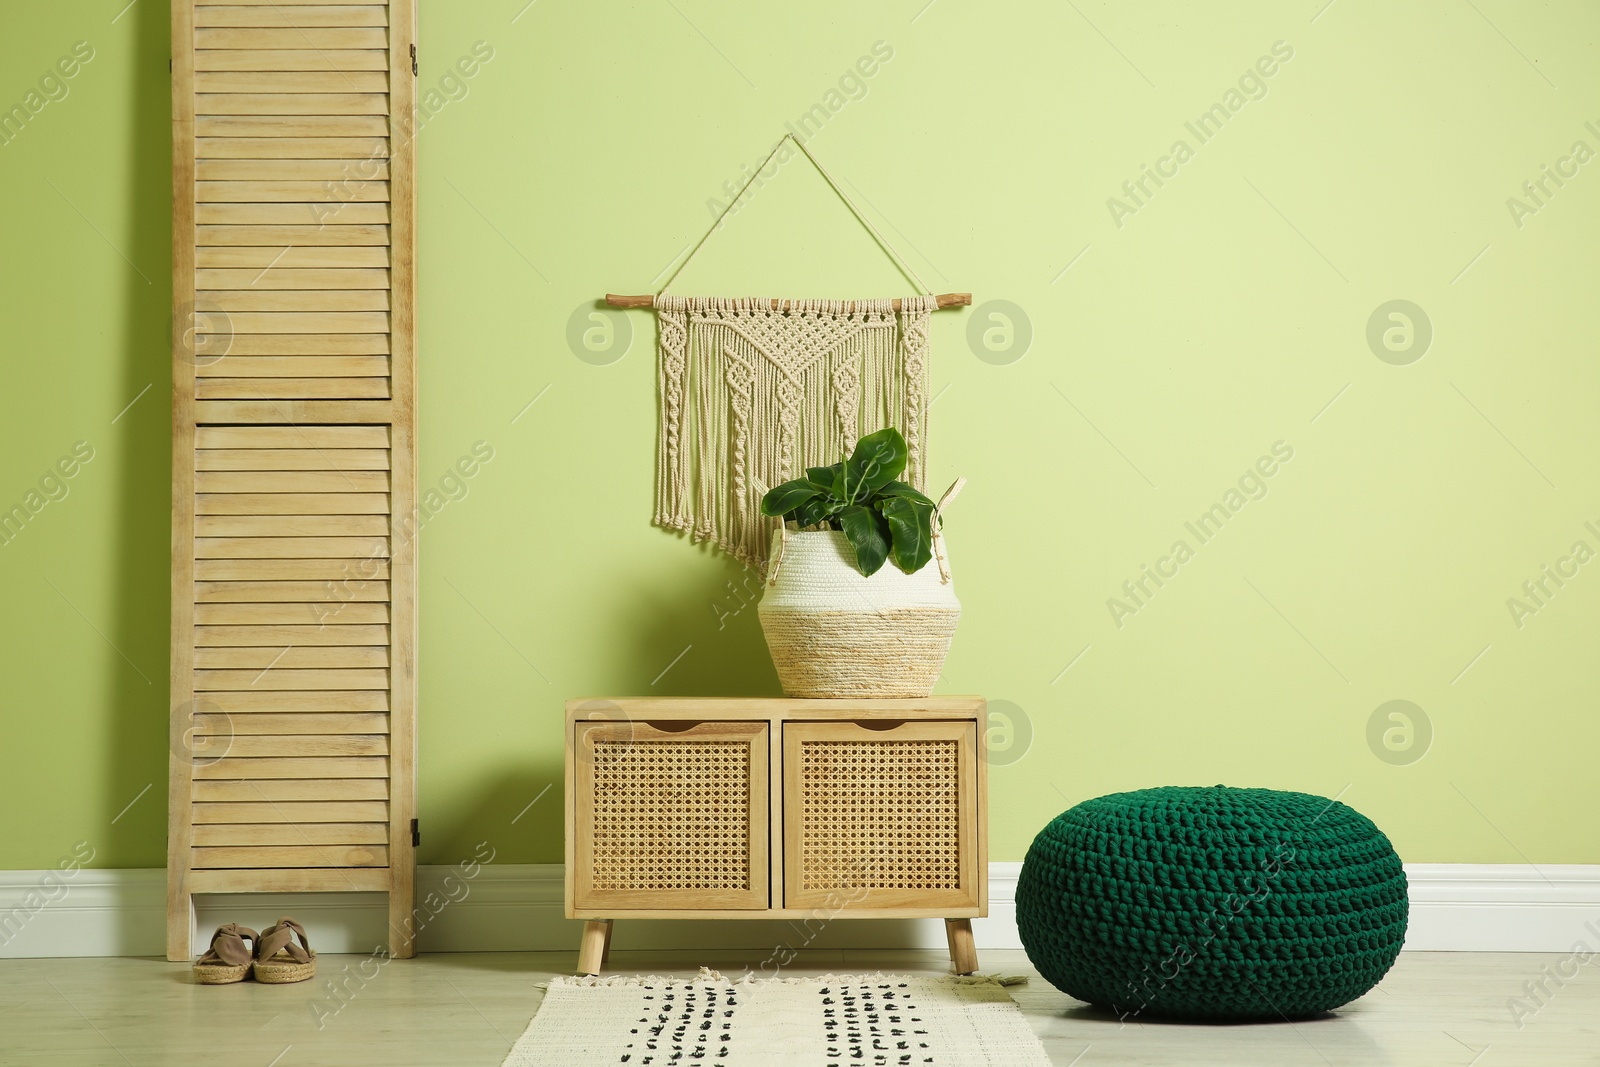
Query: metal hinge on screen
pixel 416 834
pixel 413 61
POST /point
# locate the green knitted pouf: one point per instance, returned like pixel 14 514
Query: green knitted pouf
pixel 1212 903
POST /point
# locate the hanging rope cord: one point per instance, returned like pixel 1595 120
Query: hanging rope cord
pixel 883 242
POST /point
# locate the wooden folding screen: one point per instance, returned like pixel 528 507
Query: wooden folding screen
pixel 293 510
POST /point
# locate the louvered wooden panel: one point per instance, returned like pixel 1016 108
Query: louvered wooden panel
pixel 260 468
pixel 290 811
pixel 291 791
pixel 294 574
pixel 257 179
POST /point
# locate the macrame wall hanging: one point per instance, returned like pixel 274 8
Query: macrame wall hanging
pixel 755 390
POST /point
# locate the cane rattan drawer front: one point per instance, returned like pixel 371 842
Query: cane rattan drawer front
pixel 674 815
pixel 880 816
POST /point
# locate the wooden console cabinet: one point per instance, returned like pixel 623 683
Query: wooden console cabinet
pixel 761 808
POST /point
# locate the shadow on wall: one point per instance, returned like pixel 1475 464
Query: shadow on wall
pixel 517 814
pixel 710 642
pixel 141 449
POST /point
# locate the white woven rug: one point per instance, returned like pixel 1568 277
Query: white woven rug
pixel 843 1020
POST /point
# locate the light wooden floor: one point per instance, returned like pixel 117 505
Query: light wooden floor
pixel 1445 1009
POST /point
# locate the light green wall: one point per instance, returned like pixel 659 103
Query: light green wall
pixel 1221 317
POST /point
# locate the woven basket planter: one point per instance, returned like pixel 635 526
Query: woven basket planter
pixel 834 632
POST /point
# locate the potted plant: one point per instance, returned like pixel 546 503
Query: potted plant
pixel 838 621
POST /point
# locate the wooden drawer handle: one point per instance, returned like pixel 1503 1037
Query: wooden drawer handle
pixel 673 726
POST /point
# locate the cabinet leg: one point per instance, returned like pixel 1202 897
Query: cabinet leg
pixel 595 946
pixel 963 950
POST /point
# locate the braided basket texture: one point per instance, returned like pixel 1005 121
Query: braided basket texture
pixel 1212 903
pixel 834 632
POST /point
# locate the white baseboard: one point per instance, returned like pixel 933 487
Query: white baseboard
pixel 518 907
pixel 1512 907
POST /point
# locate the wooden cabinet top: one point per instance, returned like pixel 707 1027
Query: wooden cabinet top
pixel 776 709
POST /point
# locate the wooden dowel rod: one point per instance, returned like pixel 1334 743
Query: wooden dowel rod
pixel 644 300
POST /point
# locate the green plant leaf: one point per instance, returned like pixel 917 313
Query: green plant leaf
pixel 861 527
pixel 815 511
pixel 902 489
pixel 879 459
pixel 787 497
pixel 910 530
pixel 824 477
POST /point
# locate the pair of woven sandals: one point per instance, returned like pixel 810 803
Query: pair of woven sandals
pixel 273 956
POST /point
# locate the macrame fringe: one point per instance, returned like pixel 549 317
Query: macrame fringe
pixel 751 395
